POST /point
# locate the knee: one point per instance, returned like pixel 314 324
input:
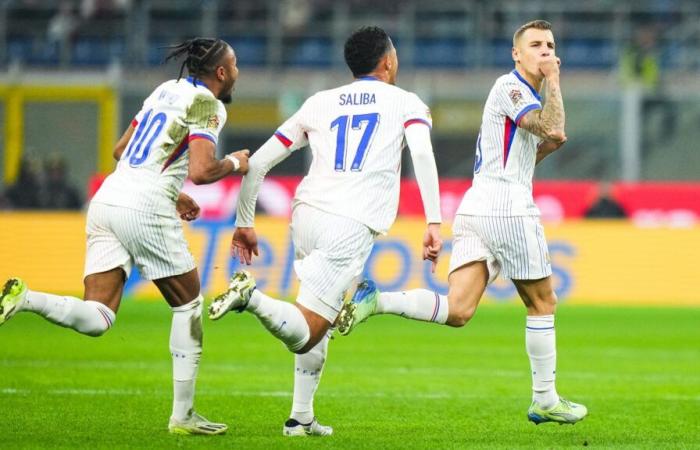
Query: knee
pixel 545 304
pixel 462 308
pixel 460 316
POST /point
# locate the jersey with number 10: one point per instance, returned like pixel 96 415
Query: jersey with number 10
pixel 154 164
pixel 356 136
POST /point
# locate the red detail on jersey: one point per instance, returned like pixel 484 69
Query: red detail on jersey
pixel 412 121
pixel 508 135
pixel 283 139
pixel 179 150
pixel 134 123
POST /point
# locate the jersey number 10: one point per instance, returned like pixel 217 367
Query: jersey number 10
pixel 356 121
pixel 137 152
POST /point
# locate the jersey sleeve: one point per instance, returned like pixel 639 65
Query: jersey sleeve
pixel 292 133
pixel 416 112
pixel 205 118
pixel 515 100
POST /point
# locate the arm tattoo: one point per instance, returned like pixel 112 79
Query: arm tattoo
pixel 547 123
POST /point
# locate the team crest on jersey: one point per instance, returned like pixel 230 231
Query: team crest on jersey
pixel 516 96
pixel 213 122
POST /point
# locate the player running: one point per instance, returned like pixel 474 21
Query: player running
pixel 350 195
pixel 497 226
pixel 133 218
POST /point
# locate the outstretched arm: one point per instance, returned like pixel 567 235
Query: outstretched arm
pixel 244 243
pixel 268 156
pixel 418 139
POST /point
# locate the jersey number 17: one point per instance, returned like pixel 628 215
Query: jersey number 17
pixel 356 122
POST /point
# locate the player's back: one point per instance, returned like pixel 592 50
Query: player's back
pixel 356 135
pixel 154 164
pixel 505 154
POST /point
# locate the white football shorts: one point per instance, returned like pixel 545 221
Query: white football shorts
pixel 330 251
pixel 124 237
pixel 514 246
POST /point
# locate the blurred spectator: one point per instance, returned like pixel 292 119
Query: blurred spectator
pixel 294 15
pixel 62 25
pixel 605 207
pixel 56 192
pixel 640 66
pixel 24 194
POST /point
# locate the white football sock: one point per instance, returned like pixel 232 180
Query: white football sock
pixel 282 319
pixel 186 350
pixel 87 317
pixel 419 304
pixel 307 375
pixel 540 341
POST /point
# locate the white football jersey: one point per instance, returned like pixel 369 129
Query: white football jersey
pixel 356 135
pixel 154 165
pixel 505 154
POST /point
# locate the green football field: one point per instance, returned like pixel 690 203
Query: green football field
pixel 394 383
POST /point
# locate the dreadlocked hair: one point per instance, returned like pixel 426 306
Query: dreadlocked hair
pixel 203 54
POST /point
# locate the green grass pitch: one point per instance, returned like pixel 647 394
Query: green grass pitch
pixel 393 383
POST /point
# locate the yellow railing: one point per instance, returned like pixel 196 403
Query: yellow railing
pixel 15 97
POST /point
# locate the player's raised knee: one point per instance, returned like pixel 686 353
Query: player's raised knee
pixel 460 315
pixel 544 304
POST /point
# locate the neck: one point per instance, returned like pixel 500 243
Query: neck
pixel 208 83
pixel 381 76
pixel 535 81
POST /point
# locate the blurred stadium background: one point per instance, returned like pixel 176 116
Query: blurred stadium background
pixel 75 72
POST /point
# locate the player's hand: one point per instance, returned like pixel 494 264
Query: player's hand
pixel 186 207
pixel 549 66
pixel 432 244
pixel 242 157
pixel 244 244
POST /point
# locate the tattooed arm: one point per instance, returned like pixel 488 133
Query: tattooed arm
pixel 546 147
pixel 548 122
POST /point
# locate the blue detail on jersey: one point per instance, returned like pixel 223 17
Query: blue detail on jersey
pixel 341 122
pixel 357 98
pixel 137 152
pixel 372 119
pixel 478 158
pixel 195 83
pixel 340 141
pixel 367 78
pixel 532 89
pixel 525 110
pixel 137 137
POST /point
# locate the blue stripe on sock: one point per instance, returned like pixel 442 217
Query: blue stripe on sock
pixel 533 328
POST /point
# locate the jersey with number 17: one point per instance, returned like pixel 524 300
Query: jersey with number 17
pixel 356 136
pixel 154 165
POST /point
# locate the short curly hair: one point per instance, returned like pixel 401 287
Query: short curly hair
pixel 364 48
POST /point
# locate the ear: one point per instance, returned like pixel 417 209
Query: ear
pixel 220 73
pixel 515 53
pixel 386 63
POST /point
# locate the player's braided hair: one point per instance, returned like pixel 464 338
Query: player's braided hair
pixel 203 55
